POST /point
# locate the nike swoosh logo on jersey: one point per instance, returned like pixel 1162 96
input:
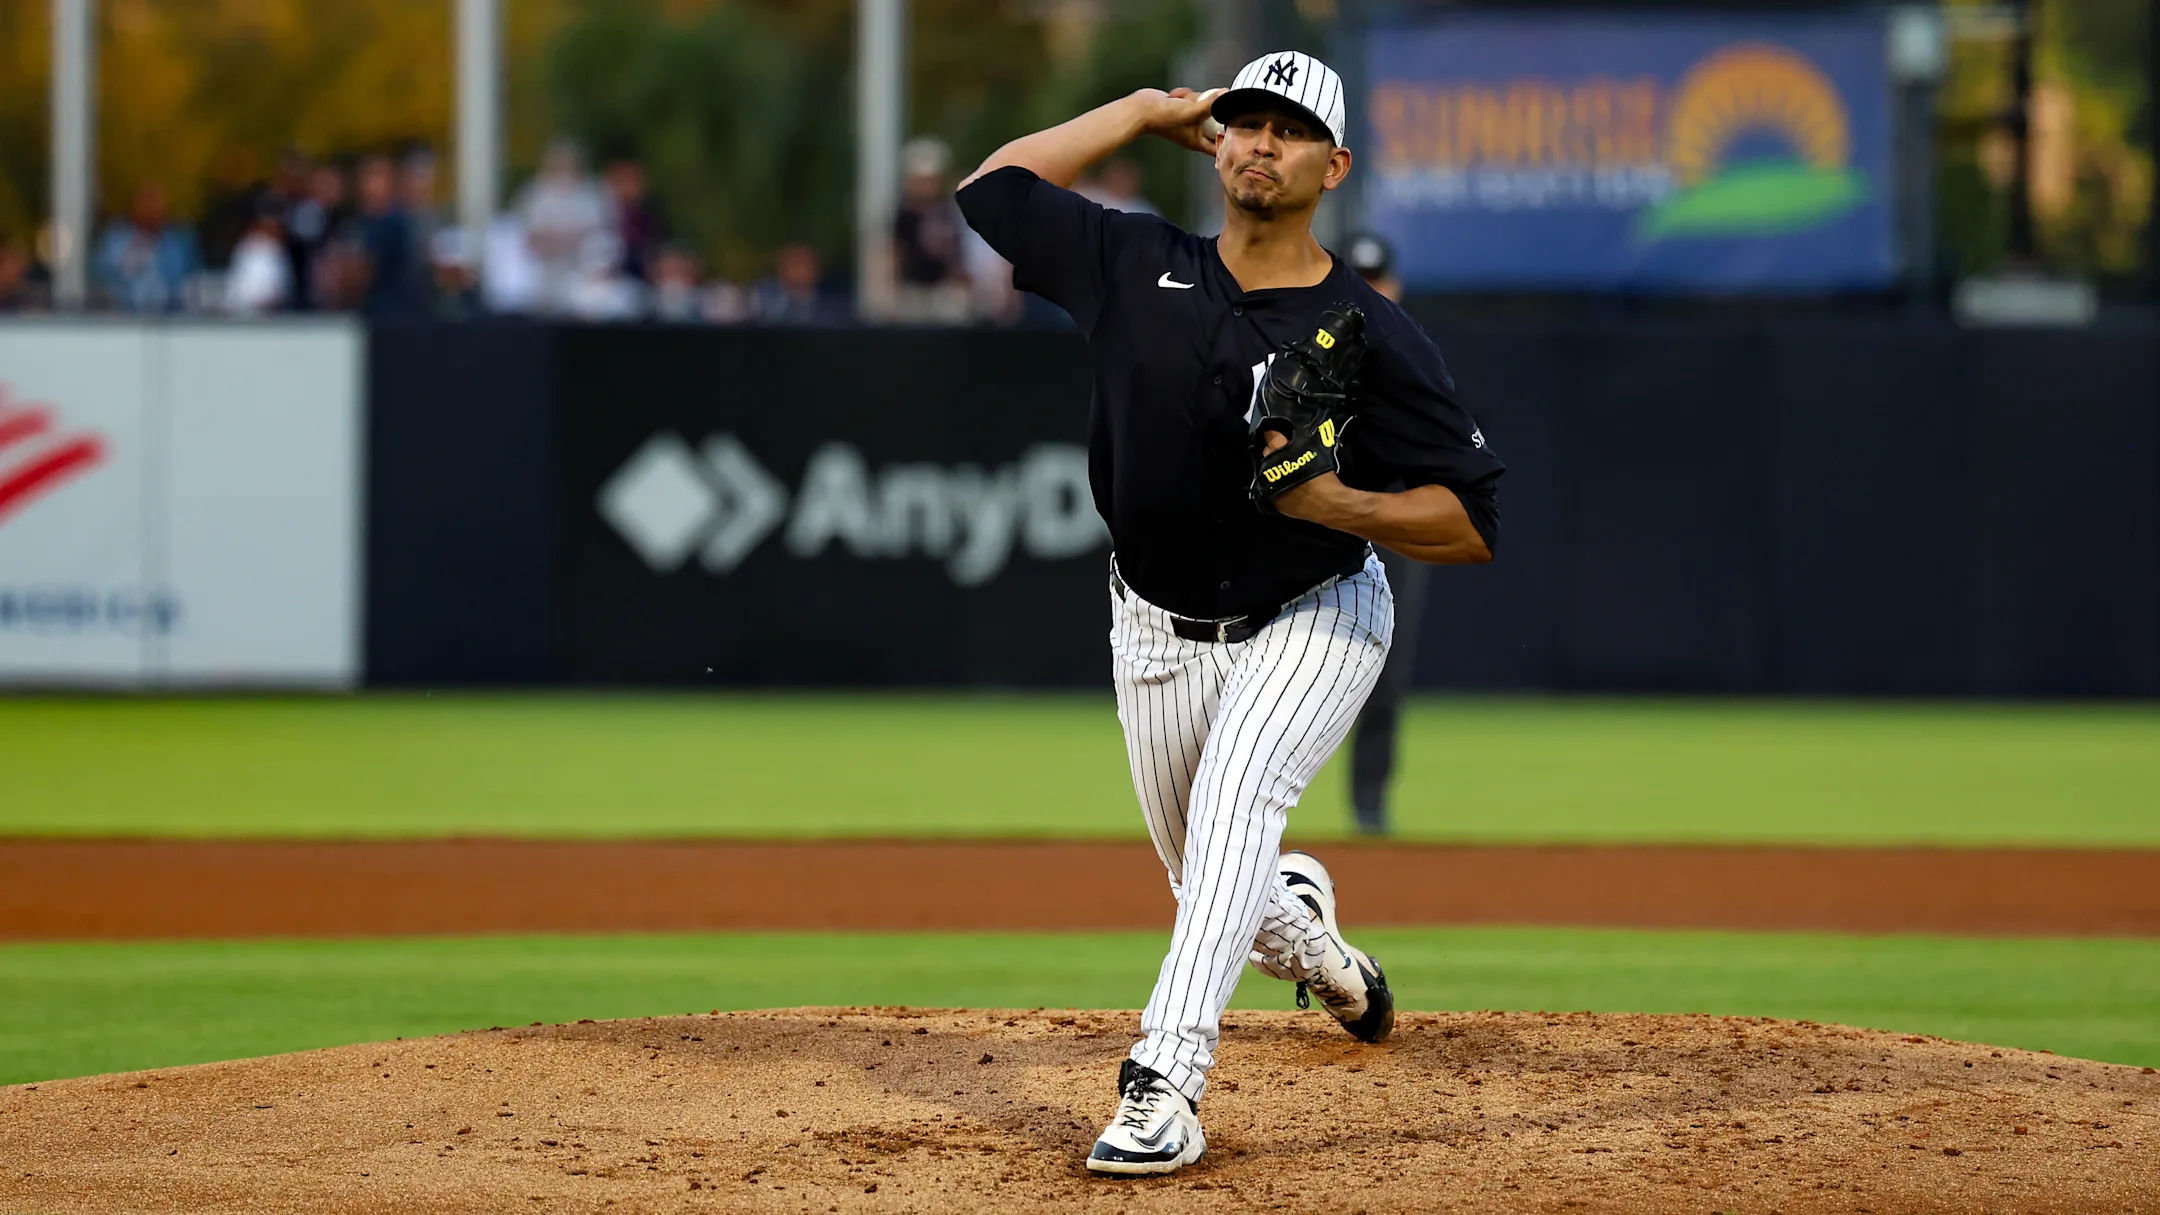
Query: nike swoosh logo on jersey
pixel 1167 281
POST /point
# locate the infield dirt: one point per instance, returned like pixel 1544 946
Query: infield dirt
pixel 163 889
pixel 819 1110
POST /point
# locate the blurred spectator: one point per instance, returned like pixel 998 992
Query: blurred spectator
pixel 598 290
pixel 293 168
pixel 228 213
pixel 726 304
pixel 311 222
pixel 930 275
pixel 795 292
pixel 14 277
pixel 417 186
pixel 143 262
pixel 456 291
pixel 640 224
pixel 510 276
pixel 1372 746
pixel 260 278
pixel 990 281
pixel 387 239
pixel 675 294
pixel 560 209
pixel 1118 187
pixel 1371 258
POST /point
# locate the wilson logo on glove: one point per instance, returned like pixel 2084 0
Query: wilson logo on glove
pixel 1305 397
pixel 1284 469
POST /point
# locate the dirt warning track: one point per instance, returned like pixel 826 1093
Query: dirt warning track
pixel 817 1110
pixel 122 889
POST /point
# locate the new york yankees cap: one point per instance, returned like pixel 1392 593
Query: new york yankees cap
pixel 1297 78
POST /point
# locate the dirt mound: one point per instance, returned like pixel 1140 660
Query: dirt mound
pixel 891 1109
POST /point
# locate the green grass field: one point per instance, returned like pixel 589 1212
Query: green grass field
pixel 808 766
pixel 80 1009
pixel 771 765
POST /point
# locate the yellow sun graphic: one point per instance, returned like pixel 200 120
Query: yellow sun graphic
pixel 1751 87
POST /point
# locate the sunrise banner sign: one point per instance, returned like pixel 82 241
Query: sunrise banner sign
pixel 1553 151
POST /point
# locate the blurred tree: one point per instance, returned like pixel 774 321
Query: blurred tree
pixel 744 112
pixel 2091 104
pixel 741 143
pixel 979 82
pixel 743 109
pixel 202 94
pixel 25 58
pixel 2091 158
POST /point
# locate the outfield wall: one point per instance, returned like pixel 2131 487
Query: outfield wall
pixel 1850 507
pixel 180 504
pixel 1838 507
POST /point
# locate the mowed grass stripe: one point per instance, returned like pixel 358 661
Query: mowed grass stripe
pixel 1053 765
pixel 83 1009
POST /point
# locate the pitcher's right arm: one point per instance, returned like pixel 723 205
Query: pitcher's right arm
pixel 1060 154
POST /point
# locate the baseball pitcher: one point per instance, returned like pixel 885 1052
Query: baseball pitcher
pixel 1262 418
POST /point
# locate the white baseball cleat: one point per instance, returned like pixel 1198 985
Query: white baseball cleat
pixel 1351 985
pixel 1155 1130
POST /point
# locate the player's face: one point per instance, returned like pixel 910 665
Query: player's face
pixel 1275 159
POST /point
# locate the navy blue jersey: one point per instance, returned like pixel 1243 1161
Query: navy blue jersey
pixel 1177 348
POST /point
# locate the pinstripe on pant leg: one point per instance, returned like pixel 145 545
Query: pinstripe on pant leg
pixel 1292 692
pixel 1167 690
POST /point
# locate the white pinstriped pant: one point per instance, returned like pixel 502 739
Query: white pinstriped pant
pixel 1223 738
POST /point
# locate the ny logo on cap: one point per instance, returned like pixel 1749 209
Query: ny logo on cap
pixel 1283 72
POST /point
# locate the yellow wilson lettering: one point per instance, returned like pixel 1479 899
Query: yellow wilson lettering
pixel 1327 432
pixel 1287 467
pixel 1325 339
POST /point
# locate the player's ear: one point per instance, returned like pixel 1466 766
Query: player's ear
pixel 1338 168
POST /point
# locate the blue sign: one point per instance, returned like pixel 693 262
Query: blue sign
pixel 1664 152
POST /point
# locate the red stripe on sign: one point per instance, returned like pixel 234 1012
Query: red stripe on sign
pixel 17 425
pixel 19 486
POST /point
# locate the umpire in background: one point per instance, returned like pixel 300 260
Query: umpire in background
pixel 1372 747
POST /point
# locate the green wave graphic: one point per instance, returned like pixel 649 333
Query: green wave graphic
pixel 1756 200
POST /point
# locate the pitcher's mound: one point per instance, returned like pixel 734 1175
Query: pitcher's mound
pixel 893 1109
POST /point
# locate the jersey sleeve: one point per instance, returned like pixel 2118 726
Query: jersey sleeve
pixel 1060 244
pixel 1419 432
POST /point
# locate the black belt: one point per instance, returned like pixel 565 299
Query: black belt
pixel 1237 628
pixel 1234 629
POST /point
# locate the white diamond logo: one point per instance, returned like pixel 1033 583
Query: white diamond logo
pixel 752 502
pixel 668 503
pixel 660 502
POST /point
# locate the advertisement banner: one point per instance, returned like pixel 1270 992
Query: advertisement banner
pixel 180 505
pixel 1640 152
pixel 79 598
pixel 827 508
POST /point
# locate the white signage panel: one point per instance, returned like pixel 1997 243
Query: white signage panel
pixel 77 599
pixel 180 503
pixel 263 504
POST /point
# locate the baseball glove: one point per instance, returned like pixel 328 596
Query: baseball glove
pixel 1306 397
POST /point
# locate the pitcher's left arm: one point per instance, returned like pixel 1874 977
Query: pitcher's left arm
pixel 1421 479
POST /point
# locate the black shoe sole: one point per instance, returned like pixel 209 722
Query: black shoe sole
pixel 1379 1019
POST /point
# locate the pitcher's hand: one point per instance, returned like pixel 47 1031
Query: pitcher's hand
pixel 1180 116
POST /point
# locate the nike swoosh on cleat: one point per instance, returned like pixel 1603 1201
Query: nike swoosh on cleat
pixel 1167 281
pixel 1155 1141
